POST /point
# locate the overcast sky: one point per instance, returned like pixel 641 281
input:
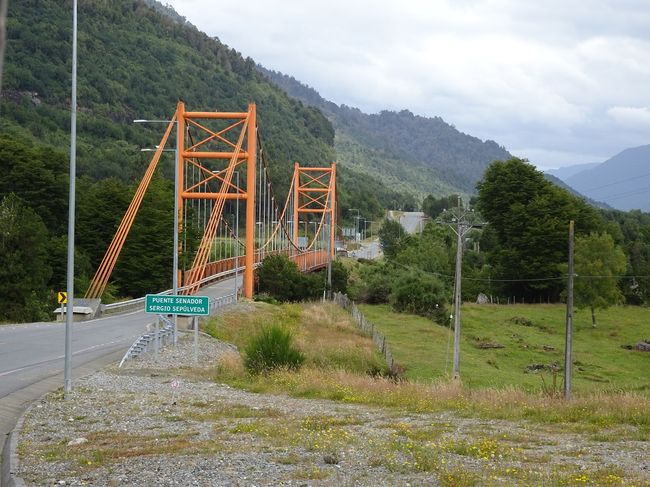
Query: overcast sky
pixel 559 82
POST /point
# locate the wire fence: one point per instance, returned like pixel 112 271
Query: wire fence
pixel 366 327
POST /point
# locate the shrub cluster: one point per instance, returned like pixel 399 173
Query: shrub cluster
pixel 281 279
pixel 272 348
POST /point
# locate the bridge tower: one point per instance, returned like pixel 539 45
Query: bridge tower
pixel 234 140
pixel 314 191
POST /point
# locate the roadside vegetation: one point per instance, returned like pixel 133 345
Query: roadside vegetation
pixel 341 364
pixel 610 404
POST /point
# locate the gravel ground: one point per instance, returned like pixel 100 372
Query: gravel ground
pixel 160 421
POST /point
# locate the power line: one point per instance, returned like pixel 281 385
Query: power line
pixel 617 182
pixel 628 193
pixel 526 279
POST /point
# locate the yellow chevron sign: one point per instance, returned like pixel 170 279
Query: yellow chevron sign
pixel 62 297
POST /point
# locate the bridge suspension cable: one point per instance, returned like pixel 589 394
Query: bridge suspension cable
pixel 225 186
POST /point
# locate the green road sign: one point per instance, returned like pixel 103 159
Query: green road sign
pixel 177 305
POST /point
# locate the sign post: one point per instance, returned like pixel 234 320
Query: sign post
pixel 194 306
pixel 62 298
pixel 177 305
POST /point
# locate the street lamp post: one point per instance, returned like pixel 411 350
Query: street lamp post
pixel 69 315
pixel 176 194
pixel 356 222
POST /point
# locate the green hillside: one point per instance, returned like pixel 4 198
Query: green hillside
pixel 136 62
pixel 136 59
pixel 522 345
pixel 422 155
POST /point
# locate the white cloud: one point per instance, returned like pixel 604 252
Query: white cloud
pixel 634 117
pixel 560 78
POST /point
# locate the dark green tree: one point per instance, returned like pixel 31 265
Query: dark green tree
pixel 392 237
pixel 280 278
pixel 145 264
pixel 419 293
pixel 376 282
pixel 529 217
pixel 432 207
pixel 24 269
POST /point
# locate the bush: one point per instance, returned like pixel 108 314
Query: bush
pixel 421 294
pixel 377 281
pixel 272 348
pixel 280 278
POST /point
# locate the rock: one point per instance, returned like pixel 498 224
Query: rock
pixel 482 299
pixel 643 346
pixel 534 368
pixel 331 459
pixel 520 320
pixel 77 441
pixel 548 348
pixel 486 345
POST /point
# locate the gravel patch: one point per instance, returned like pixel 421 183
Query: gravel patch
pixel 152 423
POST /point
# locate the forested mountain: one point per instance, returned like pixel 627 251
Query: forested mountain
pixel 622 181
pixel 135 61
pixel 426 154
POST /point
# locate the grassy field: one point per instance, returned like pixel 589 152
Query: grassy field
pixel 609 409
pixel 531 335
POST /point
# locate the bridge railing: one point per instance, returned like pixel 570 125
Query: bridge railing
pixel 306 261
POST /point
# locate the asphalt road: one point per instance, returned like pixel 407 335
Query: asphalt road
pixel 32 354
pixel 412 221
pixel 368 250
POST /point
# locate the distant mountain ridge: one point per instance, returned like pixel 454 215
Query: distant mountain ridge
pixel 622 181
pixel 566 172
pixel 558 182
pixel 426 154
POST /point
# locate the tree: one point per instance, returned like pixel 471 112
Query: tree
pixel 145 264
pixel 528 216
pixel 597 263
pixel 280 277
pixel 24 270
pixel 392 237
pixel 419 293
pixel 432 207
pixel 3 15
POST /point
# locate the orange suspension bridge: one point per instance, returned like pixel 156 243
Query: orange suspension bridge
pixel 222 169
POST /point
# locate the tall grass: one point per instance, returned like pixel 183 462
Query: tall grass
pixel 339 364
pixel 272 348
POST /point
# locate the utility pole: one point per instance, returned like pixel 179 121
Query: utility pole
pixel 459 266
pixel 568 345
pixel 460 226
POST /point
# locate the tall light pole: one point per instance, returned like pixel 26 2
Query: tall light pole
pixel 176 211
pixel 356 222
pixel 69 315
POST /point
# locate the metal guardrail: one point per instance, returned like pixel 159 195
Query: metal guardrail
pixel 157 338
pixel 139 302
pixel 165 335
